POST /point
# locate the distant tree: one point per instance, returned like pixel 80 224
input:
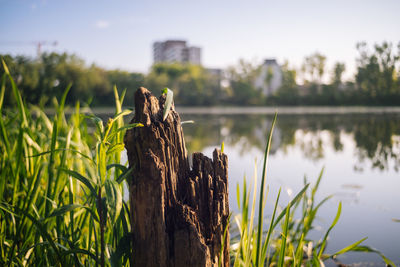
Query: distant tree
pixel 376 72
pixel 40 80
pixel 126 80
pixel 288 93
pixel 314 68
pixel 242 79
pixel 191 84
pixel 320 62
pixel 338 71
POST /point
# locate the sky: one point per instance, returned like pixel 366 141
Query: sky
pixel 120 34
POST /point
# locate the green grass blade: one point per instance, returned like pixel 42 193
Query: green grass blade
pixel 114 199
pixel 281 261
pixel 271 224
pixel 62 149
pixel 124 175
pixel 371 250
pixel 82 179
pixel 117 166
pixel 125 127
pixel 63 209
pixel 2 90
pixel 347 249
pixel 295 199
pixel 323 244
pixel 262 188
pixel 315 188
pixel 80 251
pixel 17 96
pixel 50 166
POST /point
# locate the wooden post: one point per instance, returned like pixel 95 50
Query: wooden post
pixel 178 213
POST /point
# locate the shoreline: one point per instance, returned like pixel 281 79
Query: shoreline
pixel 282 110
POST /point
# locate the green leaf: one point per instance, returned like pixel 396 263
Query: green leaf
pixel 123 249
pixel 271 225
pixel 281 261
pixel 80 251
pixel 295 199
pixel 346 249
pixel 238 195
pixel 99 124
pixel 323 244
pixel 43 231
pixel 124 175
pixel 114 119
pixel 115 148
pixel 63 209
pixel 262 197
pixel 168 103
pixel 82 179
pixel 17 95
pixel 61 149
pixel 125 127
pixel 371 250
pixel 114 198
pixel 2 91
pixel 6 68
pixel 117 166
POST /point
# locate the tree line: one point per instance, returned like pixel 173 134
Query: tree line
pixel 376 81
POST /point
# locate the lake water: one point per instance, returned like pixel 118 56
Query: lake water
pixel 359 150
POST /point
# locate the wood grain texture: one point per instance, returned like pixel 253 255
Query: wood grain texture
pixel 178 213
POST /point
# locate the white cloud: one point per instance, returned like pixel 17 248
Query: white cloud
pixel 102 24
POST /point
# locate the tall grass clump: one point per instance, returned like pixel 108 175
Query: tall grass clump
pixel 285 241
pixel 61 186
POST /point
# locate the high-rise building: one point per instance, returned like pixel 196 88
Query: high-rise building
pixel 176 51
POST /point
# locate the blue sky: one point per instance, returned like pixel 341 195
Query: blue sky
pixel 119 34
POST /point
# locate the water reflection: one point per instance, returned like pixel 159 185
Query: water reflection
pixel 376 137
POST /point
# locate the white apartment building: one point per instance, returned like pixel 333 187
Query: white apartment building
pixel 176 51
pixel 269 85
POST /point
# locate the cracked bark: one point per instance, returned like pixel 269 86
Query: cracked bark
pixel 178 213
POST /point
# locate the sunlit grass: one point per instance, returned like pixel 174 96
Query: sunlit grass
pixel 285 242
pixel 61 186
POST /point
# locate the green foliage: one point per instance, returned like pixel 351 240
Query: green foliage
pixel 376 81
pixel 242 90
pixel 40 80
pixel 288 92
pixel 338 70
pixel 376 74
pixel 192 84
pixel 61 200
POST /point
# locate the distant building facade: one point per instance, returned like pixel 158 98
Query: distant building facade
pixel 178 51
pixel 270 78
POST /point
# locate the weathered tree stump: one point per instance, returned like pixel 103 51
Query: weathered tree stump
pixel 178 213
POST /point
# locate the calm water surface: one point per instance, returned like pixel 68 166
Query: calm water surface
pixel 361 156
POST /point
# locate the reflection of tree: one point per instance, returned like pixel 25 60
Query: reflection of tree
pixel 373 134
pixel 210 130
pixel 374 139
